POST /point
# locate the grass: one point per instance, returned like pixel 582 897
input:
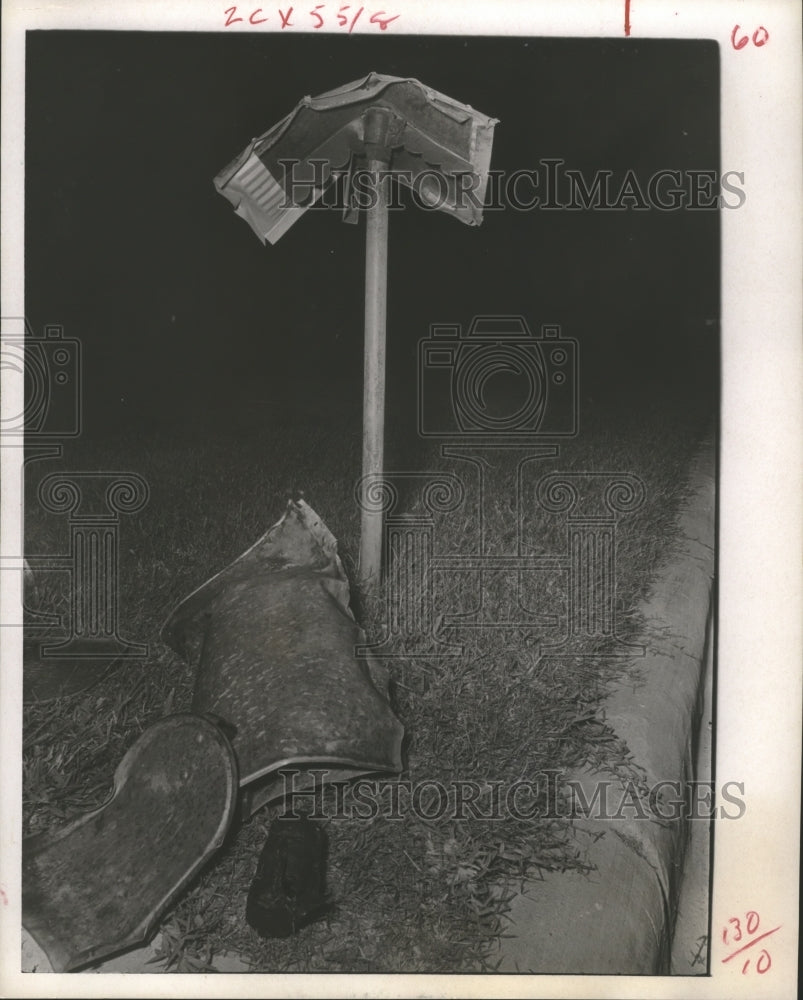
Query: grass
pixel 409 894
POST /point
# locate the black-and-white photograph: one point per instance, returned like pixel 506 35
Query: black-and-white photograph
pixel 369 566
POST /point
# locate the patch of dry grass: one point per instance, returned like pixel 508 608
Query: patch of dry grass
pixel 410 894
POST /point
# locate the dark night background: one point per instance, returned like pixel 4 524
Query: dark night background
pixel 179 306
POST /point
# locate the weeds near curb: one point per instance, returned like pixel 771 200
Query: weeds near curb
pixel 410 894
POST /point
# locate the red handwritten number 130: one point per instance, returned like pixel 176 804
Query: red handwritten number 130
pixel 733 936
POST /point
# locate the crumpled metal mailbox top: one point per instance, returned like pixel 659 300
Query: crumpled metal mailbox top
pixel 278 660
pixel 429 132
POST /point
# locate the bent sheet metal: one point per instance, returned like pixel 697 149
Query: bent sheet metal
pixel 278 662
pixel 280 686
pixel 99 885
pixel 439 147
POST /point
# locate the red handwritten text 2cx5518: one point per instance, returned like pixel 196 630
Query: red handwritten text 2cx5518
pixel 344 16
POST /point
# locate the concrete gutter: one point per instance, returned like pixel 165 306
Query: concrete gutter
pixel 619 918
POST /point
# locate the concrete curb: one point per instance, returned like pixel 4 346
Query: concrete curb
pixel 619 919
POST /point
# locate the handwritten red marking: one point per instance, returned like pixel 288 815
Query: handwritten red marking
pixel 767 965
pixel 381 18
pixel 751 943
pixel 4 897
pixel 342 20
pixel 737 930
pixel 627 18
pixel 742 41
pixel 760 37
pixel 764 38
pixel 255 16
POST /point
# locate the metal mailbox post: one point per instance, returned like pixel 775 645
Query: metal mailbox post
pixel 396 129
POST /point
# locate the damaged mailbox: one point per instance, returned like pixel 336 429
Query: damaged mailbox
pixel 278 662
pixel 278 686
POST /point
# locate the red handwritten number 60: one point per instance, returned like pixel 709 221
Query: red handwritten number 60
pixel 760 37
